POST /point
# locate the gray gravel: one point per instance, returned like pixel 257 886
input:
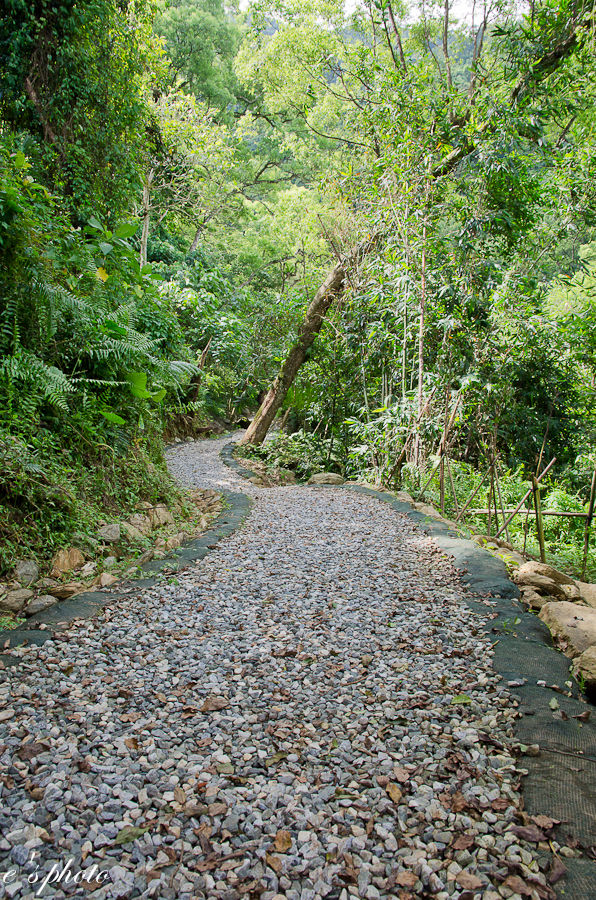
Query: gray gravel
pixel 309 712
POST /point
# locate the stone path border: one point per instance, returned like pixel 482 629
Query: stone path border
pixel 561 780
pixel 89 603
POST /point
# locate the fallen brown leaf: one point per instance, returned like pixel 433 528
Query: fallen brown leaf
pixel 217 809
pixel 394 792
pixel 212 704
pixel 556 871
pixel 30 751
pixel 518 885
pixel 406 879
pixel 283 841
pixel 458 803
pixel 463 842
pixel 468 881
pixel 274 862
pixel 529 833
pixel 545 822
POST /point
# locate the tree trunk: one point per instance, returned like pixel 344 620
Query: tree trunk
pixel 421 327
pixel 332 287
pixel 196 239
pixel 146 215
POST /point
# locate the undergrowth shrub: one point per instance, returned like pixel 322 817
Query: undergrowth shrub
pixel 302 453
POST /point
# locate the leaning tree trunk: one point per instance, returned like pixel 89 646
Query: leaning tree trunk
pixel 332 287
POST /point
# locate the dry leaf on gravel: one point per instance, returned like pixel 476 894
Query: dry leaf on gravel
pixel 545 822
pixel 274 862
pixel 30 751
pixel 557 871
pixel 283 841
pixel 468 881
pixel 529 833
pixel 458 802
pixel 518 885
pixel 394 792
pixel 213 703
pixel 463 842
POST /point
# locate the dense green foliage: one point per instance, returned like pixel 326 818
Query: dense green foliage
pixel 177 178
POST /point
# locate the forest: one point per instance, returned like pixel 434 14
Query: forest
pixel 386 210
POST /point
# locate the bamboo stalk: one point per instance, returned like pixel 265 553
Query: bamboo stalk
pixel 472 495
pixel 539 523
pixel 501 503
pixel 428 480
pixel 588 524
pixel 521 502
pixel 491 495
pixel 452 486
pixel 522 512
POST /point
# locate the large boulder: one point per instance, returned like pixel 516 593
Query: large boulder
pixel 533 599
pixel 38 604
pixel 26 572
pixel 572 626
pixel 66 560
pixel 326 478
pixel 14 601
pixel 572 592
pixel 64 591
pixel 587 593
pixel 538 568
pixel 106 579
pixel 539 583
pixel 132 533
pixel 584 666
pixel 160 515
pixel 141 522
pixel 109 534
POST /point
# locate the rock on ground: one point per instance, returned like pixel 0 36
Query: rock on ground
pixel 572 626
pixel 311 711
pixel 26 571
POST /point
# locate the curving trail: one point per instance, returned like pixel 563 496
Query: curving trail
pixel 308 712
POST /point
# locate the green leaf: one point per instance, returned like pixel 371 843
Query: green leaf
pixel 105 248
pixel 20 160
pixel 93 223
pixel 461 700
pixel 115 328
pixel 138 384
pixel 130 833
pixel 112 417
pixel 126 230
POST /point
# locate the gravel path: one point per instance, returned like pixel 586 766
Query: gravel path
pixel 309 712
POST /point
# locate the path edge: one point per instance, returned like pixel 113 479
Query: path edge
pixel 88 604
